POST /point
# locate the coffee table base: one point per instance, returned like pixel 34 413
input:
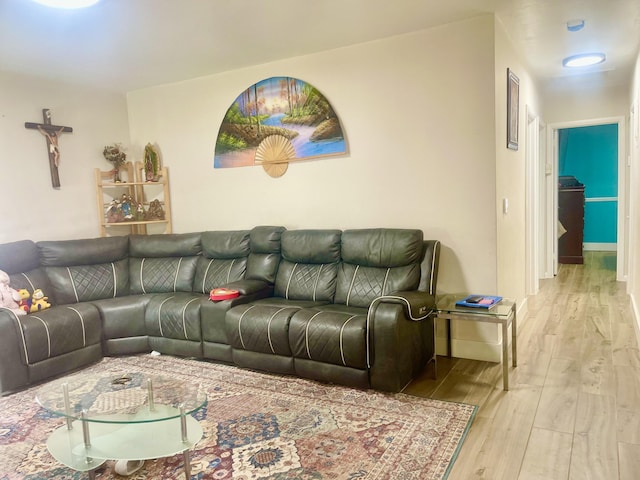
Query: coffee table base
pixel 133 441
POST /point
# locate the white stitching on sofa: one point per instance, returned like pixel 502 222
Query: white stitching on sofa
pixel 315 286
pixel 142 276
pixel 115 280
pixel 384 283
pixel 341 332
pixel 433 265
pixel 159 310
pixel 84 333
pixel 229 272
pixel 353 279
pixel 28 280
pixel 286 293
pixel 204 279
pixel 306 334
pixel 269 328
pixel 184 320
pixel 24 342
pixel 73 284
pixel 48 335
pixel 175 280
pixel 240 325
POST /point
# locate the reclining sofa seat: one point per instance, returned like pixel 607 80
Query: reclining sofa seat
pixel 310 303
pixel 346 309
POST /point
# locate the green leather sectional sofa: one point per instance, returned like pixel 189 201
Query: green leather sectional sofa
pixel 352 307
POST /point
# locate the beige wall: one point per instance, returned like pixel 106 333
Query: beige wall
pixel 421 151
pixel 634 144
pixel 33 208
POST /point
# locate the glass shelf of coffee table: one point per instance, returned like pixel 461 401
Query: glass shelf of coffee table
pixel 128 416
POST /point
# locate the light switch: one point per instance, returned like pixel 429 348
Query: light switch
pixel 505 205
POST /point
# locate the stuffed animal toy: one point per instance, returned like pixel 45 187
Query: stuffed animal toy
pixel 39 301
pixel 9 297
pixel 25 300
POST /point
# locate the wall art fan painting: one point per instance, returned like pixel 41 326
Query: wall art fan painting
pixel 279 119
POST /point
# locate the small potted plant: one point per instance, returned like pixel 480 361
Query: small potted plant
pixel 116 156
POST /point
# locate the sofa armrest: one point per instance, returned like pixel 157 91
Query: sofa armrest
pixel 14 373
pixel 418 305
pixel 248 286
pixel 401 338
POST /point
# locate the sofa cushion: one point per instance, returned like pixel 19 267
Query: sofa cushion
pixel 309 265
pixel 263 261
pixel 163 263
pixel 85 270
pixel 260 328
pixel 223 260
pixel 377 262
pixel 333 336
pixel 57 331
pixel 174 316
pixel 83 283
pixel 91 251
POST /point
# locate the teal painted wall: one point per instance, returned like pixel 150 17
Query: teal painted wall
pixel 591 155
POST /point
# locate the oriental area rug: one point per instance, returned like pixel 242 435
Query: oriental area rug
pixel 262 426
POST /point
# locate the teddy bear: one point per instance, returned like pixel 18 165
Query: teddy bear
pixel 39 301
pixel 9 297
pixel 25 300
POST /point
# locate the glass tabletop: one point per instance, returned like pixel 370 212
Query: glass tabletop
pixel 124 398
pixel 447 304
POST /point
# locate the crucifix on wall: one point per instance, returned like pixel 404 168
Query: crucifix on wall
pixel 51 133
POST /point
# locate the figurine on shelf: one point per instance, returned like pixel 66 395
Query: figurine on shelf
pixel 155 211
pixel 126 205
pixel 114 212
pixel 139 215
pixel 116 156
pixel 151 163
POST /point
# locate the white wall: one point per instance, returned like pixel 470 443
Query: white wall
pixel 417 111
pixel 33 208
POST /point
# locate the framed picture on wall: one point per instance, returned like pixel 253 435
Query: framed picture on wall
pixel 513 99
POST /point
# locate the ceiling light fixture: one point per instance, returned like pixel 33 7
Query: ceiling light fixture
pixel 575 25
pixel 68 4
pixel 583 60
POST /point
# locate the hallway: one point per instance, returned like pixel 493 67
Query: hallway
pixel 573 411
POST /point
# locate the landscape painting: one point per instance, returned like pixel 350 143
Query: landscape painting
pixel 277 120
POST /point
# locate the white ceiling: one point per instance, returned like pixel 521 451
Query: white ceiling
pixel 130 44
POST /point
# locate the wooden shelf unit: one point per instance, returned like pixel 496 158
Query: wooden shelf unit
pixel 140 191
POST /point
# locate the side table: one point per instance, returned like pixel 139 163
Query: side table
pixel 503 313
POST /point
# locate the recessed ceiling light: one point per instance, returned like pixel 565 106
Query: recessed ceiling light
pixel 67 3
pixel 583 60
pixel 575 25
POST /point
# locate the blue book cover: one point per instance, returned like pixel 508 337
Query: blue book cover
pixel 479 301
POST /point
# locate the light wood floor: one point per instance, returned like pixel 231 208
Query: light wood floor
pixel 573 410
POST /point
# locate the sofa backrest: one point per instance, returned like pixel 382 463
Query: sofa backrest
pixel 84 270
pixel 21 261
pixel 309 265
pixel 377 262
pixel 264 259
pixel 224 259
pixel 163 263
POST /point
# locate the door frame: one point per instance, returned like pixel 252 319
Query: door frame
pixel 552 196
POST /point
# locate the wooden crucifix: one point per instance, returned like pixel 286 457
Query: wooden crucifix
pixel 51 132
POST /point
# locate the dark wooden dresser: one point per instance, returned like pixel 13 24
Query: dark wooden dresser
pixel 571 217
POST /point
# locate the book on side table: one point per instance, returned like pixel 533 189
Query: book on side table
pixel 479 301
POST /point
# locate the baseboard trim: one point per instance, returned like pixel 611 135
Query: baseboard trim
pixel 600 247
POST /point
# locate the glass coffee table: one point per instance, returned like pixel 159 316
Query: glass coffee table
pixel 129 417
pixel 503 313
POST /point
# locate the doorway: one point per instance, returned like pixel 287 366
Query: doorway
pixel 622 205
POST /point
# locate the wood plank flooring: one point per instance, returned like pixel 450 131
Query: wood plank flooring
pixel 573 410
